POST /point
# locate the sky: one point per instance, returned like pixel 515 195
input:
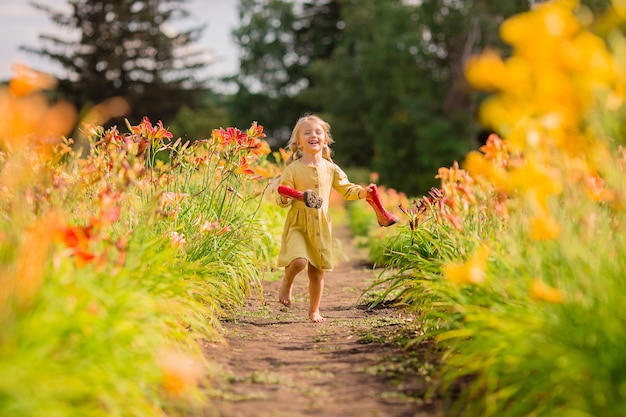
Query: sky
pixel 21 24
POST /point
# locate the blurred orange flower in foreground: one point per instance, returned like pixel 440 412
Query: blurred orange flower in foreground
pixel 26 115
pixel 180 372
pixel 32 257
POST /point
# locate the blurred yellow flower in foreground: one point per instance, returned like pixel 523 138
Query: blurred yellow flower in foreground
pixel 544 227
pixel 486 71
pixel 471 272
pixel 539 290
pixel 545 88
pixel 619 6
pixel 537 181
pixel 478 166
pixel 531 31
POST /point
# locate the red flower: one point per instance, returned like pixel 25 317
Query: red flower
pixel 230 135
pixel 78 239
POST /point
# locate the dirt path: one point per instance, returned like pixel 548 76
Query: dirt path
pixel 277 363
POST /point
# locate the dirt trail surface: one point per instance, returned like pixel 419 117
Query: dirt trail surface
pixel 277 363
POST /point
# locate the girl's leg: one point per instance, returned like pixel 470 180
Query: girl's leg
pixel 316 288
pixel 291 270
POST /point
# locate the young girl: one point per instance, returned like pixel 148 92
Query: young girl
pixel 306 240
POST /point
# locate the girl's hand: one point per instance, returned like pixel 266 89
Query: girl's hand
pixel 365 190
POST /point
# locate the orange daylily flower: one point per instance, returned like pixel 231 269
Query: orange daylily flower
pixel 208 226
pixel 597 190
pixel 497 150
pixel 264 149
pixel 477 165
pixel 27 117
pixel 223 230
pixel 180 372
pixel 228 136
pixel 177 240
pixel 31 260
pixel 284 155
pixel 153 133
pixel 244 167
pixel 264 172
pixel 27 80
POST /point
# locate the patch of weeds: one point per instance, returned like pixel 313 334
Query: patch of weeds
pixel 262 312
pixel 315 372
pixel 234 397
pixel 320 339
pixel 263 378
pixel 351 289
pixel 412 365
pixel 326 348
pixel 372 296
pixel 375 329
pixel 370 337
pixel 279 413
pixel 312 392
pixel 399 395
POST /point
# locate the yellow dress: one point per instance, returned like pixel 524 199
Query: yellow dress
pixel 308 231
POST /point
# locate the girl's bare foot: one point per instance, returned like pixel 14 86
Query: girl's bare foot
pixel 284 297
pixel 316 317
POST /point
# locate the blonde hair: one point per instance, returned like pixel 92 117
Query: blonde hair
pixel 292 145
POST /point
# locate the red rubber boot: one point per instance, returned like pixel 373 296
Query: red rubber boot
pixel 308 197
pixel 383 216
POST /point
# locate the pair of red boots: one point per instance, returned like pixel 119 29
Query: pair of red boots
pixel 311 199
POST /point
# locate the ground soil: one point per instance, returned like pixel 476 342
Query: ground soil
pixel 276 363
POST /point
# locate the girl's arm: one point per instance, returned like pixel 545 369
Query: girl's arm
pixel 285 179
pixel 347 189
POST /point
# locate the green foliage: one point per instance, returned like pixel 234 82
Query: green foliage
pixel 91 342
pixel 269 226
pixel 192 123
pixel 543 334
pixel 360 219
pixel 113 277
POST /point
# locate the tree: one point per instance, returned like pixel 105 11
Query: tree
pixel 124 49
pixel 387 75
pixel 278 40
pixel 400 104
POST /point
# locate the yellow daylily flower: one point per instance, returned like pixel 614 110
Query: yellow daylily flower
pixel 544 227
pixel 471 272
pixel 539 290
pixel 486 71
pixel 536 179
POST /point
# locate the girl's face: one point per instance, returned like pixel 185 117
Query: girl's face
pixel 312 138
